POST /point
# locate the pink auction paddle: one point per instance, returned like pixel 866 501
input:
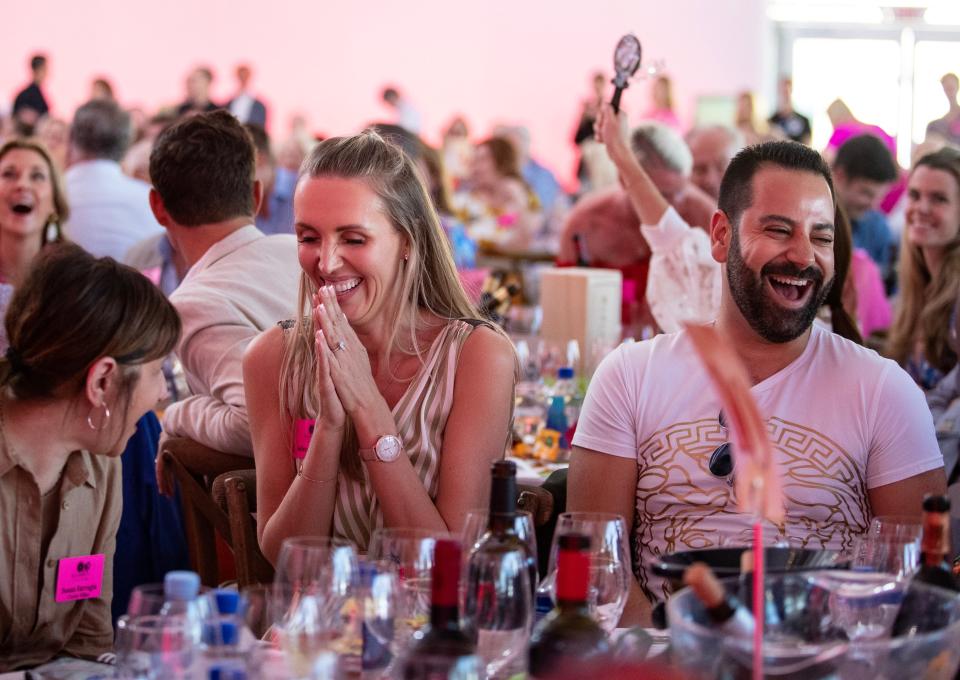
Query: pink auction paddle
pixel 756 481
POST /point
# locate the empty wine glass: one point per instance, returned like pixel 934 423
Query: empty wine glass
pixel 408 553
pixel 896 527
pixel 312 605
pixel 153 646
pixel 498 607
pixel 896 555
pixel 475 526
pixel 550 357
pixel 610 565
pixel 148 599
pixel 257 613
pixel 379 599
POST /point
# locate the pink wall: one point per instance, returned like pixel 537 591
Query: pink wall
pixel 527 61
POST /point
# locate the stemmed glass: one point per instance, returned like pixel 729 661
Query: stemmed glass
pixel 408 554
pixel 896 527
pixel 500 593
pixel 149 645
pixel 148 599
pixel 865 600
pixel 312 588
pixel 891 546
pixel 475 526
pixel 379 601
pixel 610 566
pixel 152 646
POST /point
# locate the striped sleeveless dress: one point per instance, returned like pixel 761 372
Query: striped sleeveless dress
pixel 421 417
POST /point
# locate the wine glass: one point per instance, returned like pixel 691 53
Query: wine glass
pixel 149 598
pixel 498 606
pixel 408 554
pixel 475 526
pixel 550 357
pixel 312 608
pixel 379 599
pixel 153 646
pixel 865 600
pixel 257 613
pixel 895 556
pixel 898 527
pixel 264 658
pixel 890 546
pixel 610 565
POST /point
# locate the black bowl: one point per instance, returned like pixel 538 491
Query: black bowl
pixel 726 562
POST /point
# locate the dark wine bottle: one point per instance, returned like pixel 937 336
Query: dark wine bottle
pixel 917 615
pixel 493 613
pixel 442 651
pixel 568 633
pixel 501 535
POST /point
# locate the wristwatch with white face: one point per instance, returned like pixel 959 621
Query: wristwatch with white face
pixel 386 450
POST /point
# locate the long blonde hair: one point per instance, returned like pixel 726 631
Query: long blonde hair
pixel 428 277
pixel 926 304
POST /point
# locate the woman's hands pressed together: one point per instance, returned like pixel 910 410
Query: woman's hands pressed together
pixel 331 413
pixel 345 357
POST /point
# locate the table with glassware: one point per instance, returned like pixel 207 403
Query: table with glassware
pixel 333 612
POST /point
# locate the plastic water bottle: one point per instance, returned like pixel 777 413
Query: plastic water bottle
pixel 557 419
pixel 566 386
pixel 544 602
pixel 222 628
pixel 180 589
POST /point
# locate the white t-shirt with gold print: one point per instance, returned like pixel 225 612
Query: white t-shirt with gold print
pixel 842 420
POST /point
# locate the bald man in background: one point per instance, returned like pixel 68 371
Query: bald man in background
pixel 712 147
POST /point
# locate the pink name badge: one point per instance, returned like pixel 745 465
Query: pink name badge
pixel 302 432
pixel 79 578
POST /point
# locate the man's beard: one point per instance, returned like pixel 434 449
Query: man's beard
pixel 771 321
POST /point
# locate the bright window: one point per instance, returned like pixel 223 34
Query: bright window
pixel 865 73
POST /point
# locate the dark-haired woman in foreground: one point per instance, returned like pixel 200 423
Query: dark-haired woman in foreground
pixel 87 339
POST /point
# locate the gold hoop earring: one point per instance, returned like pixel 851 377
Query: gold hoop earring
pixel 103 423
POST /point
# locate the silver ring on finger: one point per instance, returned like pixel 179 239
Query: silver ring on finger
pixel 340 346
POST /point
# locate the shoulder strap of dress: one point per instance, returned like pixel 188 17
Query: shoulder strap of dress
pixel 476 323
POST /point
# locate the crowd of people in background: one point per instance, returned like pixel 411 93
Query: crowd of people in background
pixel 302 279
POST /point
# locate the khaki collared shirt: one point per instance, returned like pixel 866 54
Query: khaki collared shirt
pixel 34 627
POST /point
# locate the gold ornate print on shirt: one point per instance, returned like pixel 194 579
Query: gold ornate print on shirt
pixel 682 506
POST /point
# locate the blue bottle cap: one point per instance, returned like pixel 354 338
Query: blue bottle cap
pixel 565 373
pixel 229 633
pixel 220 633
pixel 181 585
pixel 227 673
pixel 228 601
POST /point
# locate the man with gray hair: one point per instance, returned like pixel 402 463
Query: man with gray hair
pixel 712 147
pixel 109 212
pixel 603 229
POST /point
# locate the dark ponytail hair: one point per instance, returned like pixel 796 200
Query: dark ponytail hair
pixel 74 309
